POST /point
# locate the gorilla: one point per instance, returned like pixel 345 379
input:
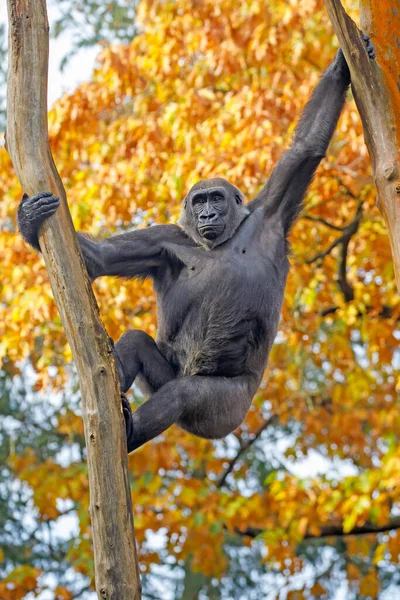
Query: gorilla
pixel 219 277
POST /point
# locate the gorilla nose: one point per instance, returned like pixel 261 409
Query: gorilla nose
pixel 208 217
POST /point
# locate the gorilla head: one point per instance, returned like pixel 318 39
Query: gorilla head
pixel 212 211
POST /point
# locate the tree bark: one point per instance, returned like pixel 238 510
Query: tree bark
pixel 376 89
pixel 116 566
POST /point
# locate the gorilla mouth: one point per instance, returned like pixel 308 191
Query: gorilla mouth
pixel 210 232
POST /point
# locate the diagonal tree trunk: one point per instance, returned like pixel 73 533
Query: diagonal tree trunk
pixel 376 88
pixel 116 567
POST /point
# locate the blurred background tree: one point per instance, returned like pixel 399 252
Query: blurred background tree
pixel 87 23
pixel 303 500
pixel 92 23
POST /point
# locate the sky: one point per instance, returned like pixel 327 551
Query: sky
pixel 79 68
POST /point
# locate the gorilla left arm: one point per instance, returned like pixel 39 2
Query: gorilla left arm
pixel 284 192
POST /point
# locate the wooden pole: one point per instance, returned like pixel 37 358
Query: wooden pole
pixel 376 89
pixel 116 566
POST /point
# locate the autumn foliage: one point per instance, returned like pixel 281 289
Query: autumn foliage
pixel 214 88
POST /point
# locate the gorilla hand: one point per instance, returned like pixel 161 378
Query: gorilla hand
pixel 32 212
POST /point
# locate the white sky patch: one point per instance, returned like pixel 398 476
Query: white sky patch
pixel 79 68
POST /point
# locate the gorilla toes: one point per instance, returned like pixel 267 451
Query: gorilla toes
pixel 370 46
pixel 120 368
pixel 126 409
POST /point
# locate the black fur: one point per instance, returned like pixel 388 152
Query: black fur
pixel 219 279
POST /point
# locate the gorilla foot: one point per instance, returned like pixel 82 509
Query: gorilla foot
pixel 126 409
pixel 120 367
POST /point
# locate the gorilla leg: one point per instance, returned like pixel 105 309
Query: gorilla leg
pixel 137 355
pixel 210 407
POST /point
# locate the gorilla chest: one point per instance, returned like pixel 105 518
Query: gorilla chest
pixel 217 293
pixel 228 272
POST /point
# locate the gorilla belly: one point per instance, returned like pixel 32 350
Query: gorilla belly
pixel 221 322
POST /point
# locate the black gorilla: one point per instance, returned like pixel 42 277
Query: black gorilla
pixel 219 278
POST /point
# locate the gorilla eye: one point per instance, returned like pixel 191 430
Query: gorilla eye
pixel 198 204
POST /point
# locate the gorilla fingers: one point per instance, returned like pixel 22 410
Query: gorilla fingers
pixel 32 212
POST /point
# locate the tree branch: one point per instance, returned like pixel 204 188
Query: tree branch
pixel 116 567
pixel 342 281
pixel 347 234
pixel 323 221
pixel 243 448
pixel 375 89
pixel 386 312
pixel 333 530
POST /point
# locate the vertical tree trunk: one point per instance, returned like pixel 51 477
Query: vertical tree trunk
pixel 376 88
pixel 116 568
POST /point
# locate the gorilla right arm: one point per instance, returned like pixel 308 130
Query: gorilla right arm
pixel 284 192
pixel 137 253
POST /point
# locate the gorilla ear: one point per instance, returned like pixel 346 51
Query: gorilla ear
pixel 185 203
pixel 238 199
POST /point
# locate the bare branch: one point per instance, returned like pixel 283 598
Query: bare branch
pixel 244 447
pixel 386 312
pixel 116 567
pixel 348 232
pixel 334 530
pixel 323 221
pixel 378 101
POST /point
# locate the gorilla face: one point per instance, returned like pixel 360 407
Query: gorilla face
pixel 212 211
pixel 210 207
